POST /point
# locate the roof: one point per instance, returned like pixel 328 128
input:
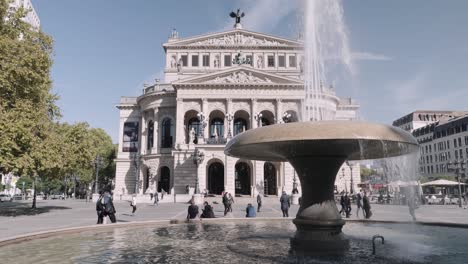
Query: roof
pixel 441 183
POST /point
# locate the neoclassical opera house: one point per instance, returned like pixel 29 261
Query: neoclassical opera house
pixel 217 86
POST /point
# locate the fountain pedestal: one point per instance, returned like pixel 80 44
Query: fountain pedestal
pixel 317 150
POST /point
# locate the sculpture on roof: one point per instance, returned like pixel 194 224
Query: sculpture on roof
pixel 237 15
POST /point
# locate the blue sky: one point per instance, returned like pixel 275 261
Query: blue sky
pixel 409 54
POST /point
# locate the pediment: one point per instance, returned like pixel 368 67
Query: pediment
pixel 234 38
pixel 241 75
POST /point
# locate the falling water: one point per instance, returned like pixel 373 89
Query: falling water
pixel 326 46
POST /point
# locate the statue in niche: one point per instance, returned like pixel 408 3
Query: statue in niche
pixel 260 62
pixel 173 62
pixel 216 62
pixel 192 136
pixel 179 65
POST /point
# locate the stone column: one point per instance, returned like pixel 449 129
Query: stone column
pixel 253 121
pixel 154 150
pixel 207 118
pixel 279 111
pixel 144 133
pixel 228 125
pixel 180 131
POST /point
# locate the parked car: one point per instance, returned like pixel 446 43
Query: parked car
pixel 17 197
pixel 5 198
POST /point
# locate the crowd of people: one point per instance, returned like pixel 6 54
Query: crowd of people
pixel 362 204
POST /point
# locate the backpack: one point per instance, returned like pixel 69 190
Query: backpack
pixel 107 205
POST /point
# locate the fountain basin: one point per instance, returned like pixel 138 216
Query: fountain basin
pixel 317 150
pixel 237 241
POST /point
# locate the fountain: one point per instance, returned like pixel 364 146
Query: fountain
pixel 317 150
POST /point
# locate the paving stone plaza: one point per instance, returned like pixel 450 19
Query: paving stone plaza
pixel 74 213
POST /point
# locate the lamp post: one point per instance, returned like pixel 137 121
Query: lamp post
pixel 457 167
pixel 97 164
pixel 287 117
pixel 136 162
pixel 351 189
pixel 23 190
pixel 197 158
pixel 229 118
pixel 258 117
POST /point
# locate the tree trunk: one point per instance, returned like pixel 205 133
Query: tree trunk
pixel 35 193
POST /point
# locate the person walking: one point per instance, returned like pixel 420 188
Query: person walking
pixel 342 203
pixel 250 211
pixel 156 198
pixel 226 203
pixel 259 202
pixel 192 212
pixel 108 205
pixel 366 206
pixel 133 205
pixel 231 202
pixel 358 202
pixel 207 212
pixel 100 209
pixel 347 201
pixel 285 204
pixel 163 192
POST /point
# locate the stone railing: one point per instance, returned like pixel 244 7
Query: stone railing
pixel 163 87
pixel 215 141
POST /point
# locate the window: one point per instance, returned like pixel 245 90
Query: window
pixel 292 61
pixel 249 59
pixel 271 61
pixel 459 142
pixel 184 60
pixel 456 154
pixel 166 135
pixel 466 140
pixel 240 125
pixel 150 135
pixel 454 142
pixel 281 61
pixel 227 61
pixel 461 153
pixel 194 60
pixel 206 60
pixel 217 127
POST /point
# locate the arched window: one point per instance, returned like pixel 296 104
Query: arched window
pixel 217 127
pixel 166 133
pixel 240 125
pixel 150 135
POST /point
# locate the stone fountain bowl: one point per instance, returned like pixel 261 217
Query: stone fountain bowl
pixel 354 140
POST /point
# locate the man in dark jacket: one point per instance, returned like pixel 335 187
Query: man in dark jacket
pixel 226 203
pixel 366 206
pixel 285 204
pixel 347 201
pixel 192 211
pixel 207 212
pixel 259 202
pixel 100 209
pixel 342 203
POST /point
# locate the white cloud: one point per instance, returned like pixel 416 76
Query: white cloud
pixel 368 56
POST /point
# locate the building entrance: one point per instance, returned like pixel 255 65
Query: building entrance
pixel 164 179
pixel 216 178
pixel 243 179
pixel 269 174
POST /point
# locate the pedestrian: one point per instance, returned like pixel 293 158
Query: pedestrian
pixel 358 202
pixel 250 211
pixel 259 202
pixel 347 200
pixel 285 204
pixel 163 192
pixel 156 198
pixel 99 209
pixel 342 203
pixel 133 204
pixel 192 211
pixel 187 189
pixel 231 202
pixel 207 212
pixel 366 206
pixel 226 203
pixel 108 205
pixel 151 196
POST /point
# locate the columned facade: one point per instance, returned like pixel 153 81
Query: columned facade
pixel 210 96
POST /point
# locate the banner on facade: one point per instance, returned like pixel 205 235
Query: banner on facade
pixel 130 137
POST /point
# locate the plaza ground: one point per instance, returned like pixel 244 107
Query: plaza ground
pixel 17 219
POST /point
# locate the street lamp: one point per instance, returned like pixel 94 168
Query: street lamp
pixel 197 158
pixel 287 117
pixel 258 117
pixel 458 167
pixel 351 189
pixel 136 162
pixel 97 164
pixel 23 190
pixel 229 118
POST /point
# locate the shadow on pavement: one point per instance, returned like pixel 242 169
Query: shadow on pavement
pixel 20 209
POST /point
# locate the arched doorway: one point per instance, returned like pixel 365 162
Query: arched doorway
pixel 164 179
pixel 269 174
pixel 242 178
pixel 146 183
pixel 216 178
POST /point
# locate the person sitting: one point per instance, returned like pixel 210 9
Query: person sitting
pixel 250 211
pixel 192 211
pixel 207 211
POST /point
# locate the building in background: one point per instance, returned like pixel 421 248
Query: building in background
pixel 217 86
pixel 31 18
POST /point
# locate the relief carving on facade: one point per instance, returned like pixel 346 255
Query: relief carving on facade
pixel 265 105
pixel 240 105
pixel 239 77
pixel 192 105
pixel 217 105
pixel 238 39
pixel 291 106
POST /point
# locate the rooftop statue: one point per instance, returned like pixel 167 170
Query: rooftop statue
pixel 237 16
